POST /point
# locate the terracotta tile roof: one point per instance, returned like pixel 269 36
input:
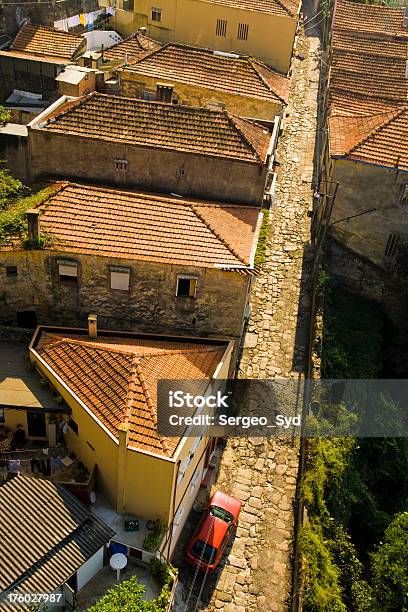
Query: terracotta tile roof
pixel 117 378
pixel 42 41
pixel 133 48
pixel 286 8
pixel 46 534
pixel 345 104
pixel 384 46
pixel 149 227
pixel 368 89
pixel 160 125
pixel 371 76
pixel 240 75
pixel 369 54
pixel 358 17
pixel 381 139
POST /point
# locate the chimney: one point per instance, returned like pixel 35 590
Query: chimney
pixel 33 225
pixel 92 326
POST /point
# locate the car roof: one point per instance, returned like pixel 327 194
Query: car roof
pixel 212 531
pixel 227 502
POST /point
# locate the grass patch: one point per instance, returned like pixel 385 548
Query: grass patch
pixel 260 255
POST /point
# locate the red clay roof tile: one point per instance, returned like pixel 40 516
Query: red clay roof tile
pixel 152 227
pixel 117 377
pixel 239 75
pixel 156 124
pixel 39 40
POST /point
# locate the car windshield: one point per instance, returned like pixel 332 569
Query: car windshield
pixel 222 514
pixel 204 552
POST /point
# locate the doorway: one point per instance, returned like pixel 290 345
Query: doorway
pixel 36 425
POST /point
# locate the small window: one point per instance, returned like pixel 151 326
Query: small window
pixel 148 95
pixel 68 272
pixel 73 425
pixel 177 518
pixel 392 245
pixel 11 271
pixel 156 14
pixel 194 482
pixel 128 5
pixel 180 173
pixel 164 93
pixel 186 286
pixel 121 165
pixel 242 31
pixel 404 195
pixel 221 27
pixel 120 278
pixel 2 418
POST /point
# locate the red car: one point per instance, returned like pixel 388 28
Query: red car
pixel 214 531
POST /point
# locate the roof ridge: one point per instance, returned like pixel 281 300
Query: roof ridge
pixel 394 114
pixel 218 235
pixel 89 345
pixel 131 389
pixel 252 61
pixel 285 8
pixel 233 119
pixel 149 402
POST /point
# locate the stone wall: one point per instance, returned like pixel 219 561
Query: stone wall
pixel 14 152
pixel 150 305
pixel 357 274
pixel 14 15
pixel 133 85
pixel 363 187
pixel 148 168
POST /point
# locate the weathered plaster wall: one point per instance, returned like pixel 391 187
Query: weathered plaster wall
pixel 270 37
pixel 152 169
pixel 363 187
pixel 14 152
pixel 149 305
pixel 133 85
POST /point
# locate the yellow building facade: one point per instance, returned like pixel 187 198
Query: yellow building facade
pixel 266 31
pixel 135 481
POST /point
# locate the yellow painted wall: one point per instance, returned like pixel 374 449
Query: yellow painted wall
pixel 270 37
pixel 132 85
pixel 148 486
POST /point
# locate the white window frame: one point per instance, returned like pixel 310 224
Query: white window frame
pixel 121 165
pixel 190 277
pixel 157 11
pixel 195 480
pixel 177 518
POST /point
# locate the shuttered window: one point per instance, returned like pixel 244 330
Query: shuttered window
pixel 242 31
pixel 221 27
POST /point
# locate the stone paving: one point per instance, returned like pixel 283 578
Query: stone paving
pixel 261 472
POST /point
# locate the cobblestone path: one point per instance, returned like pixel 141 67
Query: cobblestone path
pixel 262 473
